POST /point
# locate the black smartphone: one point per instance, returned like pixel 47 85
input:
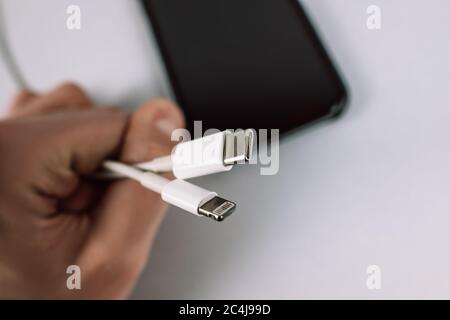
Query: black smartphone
pixel 245 63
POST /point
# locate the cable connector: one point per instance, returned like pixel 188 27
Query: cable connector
pixel 208 155
pixel 196 200
pixel 180 193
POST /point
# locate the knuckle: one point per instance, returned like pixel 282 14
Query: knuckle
pixel 75 92
pixel 23 95
pixel 58 182
pixel 156 105
pixel 70 87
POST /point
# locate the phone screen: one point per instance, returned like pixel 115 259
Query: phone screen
pixel 245 63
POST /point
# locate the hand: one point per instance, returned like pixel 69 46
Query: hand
pixel 53 215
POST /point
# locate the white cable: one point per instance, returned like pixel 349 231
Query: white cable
pixel 162 164
pixel 150 180
pixel 182 194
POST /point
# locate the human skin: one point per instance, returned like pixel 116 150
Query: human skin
pixel 53 214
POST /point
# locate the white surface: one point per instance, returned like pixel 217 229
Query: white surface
pixel 371 188
pixel 111 55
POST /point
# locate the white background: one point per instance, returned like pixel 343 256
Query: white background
pixel 370 188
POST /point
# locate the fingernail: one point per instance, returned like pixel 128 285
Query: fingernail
pixel 167 126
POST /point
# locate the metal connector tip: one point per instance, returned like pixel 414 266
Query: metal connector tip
pixel 217 208
pixel 238 147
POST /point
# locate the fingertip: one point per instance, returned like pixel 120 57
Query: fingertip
pixel 162 108
pixel 69 86
pixel 21 99
pixel 150 130
pixel 24 95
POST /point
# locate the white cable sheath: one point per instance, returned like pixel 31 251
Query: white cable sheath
pixel 162 164
pixel 154 182
pixel 149 180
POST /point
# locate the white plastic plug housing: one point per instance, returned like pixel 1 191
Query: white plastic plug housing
pixel 186 196
pixel 200 157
